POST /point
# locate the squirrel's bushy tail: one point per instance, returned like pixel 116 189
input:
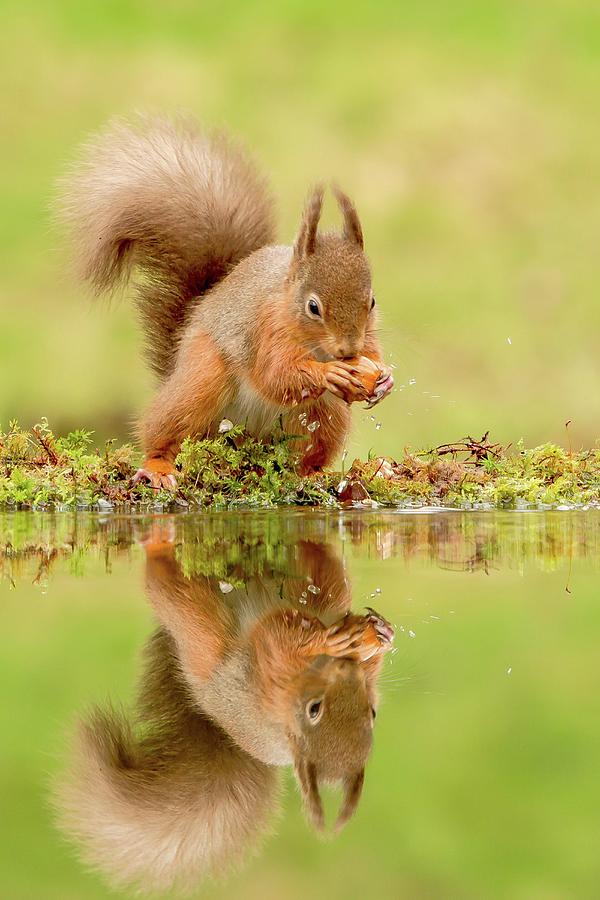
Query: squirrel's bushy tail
pixel 161 797
pixel 179 206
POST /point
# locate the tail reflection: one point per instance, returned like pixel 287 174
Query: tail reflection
pixel 265 669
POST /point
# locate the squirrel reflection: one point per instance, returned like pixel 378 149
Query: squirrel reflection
pixel 240 679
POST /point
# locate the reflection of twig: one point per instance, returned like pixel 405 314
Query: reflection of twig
pixel 474 564
pixel 45 563
pixel 568 584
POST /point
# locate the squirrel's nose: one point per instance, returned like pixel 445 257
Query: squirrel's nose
pixel 344 352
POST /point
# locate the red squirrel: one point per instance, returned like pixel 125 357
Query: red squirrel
pixel 236 326
pixel 240 680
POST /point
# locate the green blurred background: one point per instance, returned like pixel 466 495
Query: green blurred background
pixel 468 133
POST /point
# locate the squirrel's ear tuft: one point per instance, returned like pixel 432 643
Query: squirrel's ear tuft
pixel 306 774
pixel 352 226
pixel 307 234
pixel 353 786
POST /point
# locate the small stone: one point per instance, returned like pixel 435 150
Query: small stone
pixel 225 587
pixel 354 490
pixel 225 425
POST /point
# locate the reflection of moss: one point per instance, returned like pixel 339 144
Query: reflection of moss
pixel 233 546
pixel 38 470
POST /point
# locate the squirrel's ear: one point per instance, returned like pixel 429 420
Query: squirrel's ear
pixel 353 786
pixel 306 774
pixel 307 234
pixel 352 226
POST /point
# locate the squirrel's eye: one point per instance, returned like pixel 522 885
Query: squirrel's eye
pixel 372 302
pixel 313 308
pixel 313 709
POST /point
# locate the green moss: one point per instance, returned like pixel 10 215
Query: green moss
pixel 40 470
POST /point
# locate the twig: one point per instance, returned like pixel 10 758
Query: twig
pixel 47 444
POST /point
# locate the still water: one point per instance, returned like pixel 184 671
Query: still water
pixel 303 704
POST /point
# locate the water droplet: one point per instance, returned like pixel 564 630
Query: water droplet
pixel 303 418
pixel 377 590
pixel 303 601
pixel 412 380
pixel 411 633
pixel 314 589
pixel 508 340
pixel 509 670
pixel 312 426
pixel 378 426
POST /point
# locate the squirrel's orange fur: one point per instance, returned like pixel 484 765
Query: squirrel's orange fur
pixel 236 326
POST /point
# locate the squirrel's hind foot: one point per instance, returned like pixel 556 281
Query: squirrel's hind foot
pixel 159 473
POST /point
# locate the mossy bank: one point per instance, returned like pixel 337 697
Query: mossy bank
pixel 40 470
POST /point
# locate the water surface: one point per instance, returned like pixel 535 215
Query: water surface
pixel 123 764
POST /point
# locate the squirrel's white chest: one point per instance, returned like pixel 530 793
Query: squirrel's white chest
pixel 248 408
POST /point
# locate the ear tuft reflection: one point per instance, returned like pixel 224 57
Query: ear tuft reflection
pixel 236 684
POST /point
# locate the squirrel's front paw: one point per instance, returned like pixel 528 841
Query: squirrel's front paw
pixel 383 386
pixel 160 473
pixel 342 380
pixel 359 637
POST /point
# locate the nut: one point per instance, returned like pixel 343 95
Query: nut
pixel 369 373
